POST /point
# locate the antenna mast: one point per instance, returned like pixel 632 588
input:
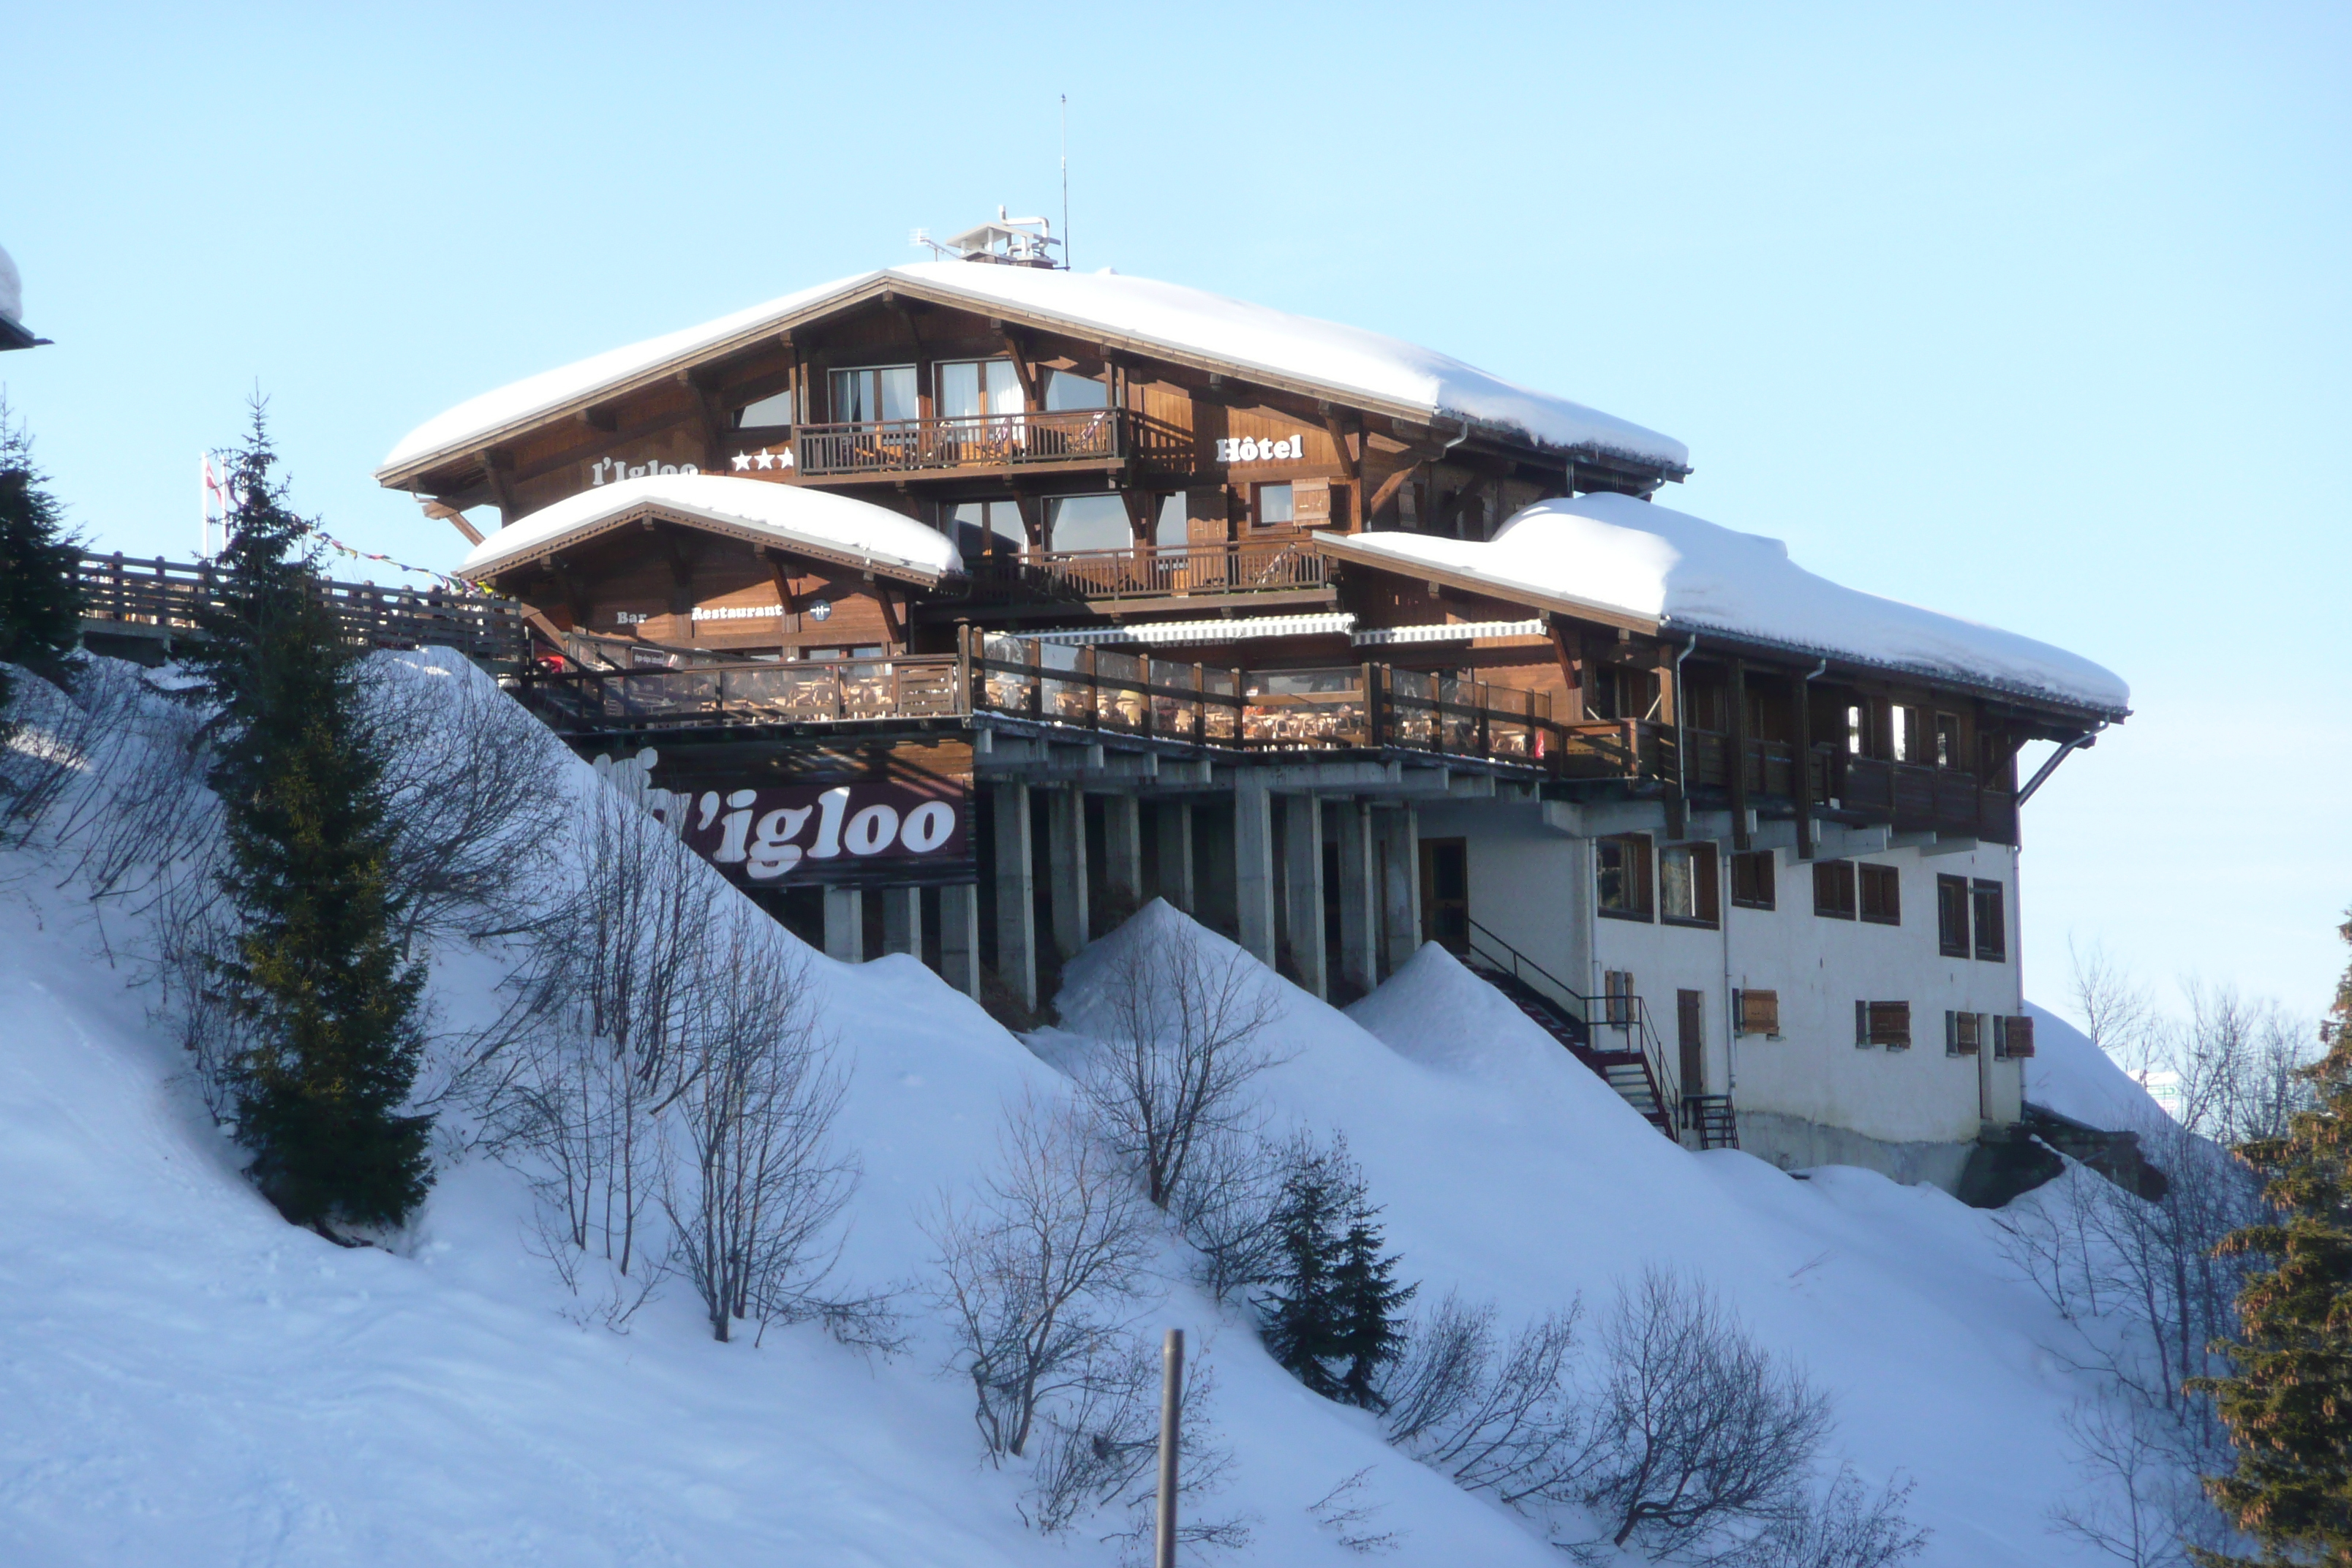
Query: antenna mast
pixel 1066 183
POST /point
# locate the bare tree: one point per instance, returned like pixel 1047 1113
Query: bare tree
pixel 1036 1270
pixel 1844 1527
pixel 1097 1449
pixel 752 1207
pixel 1497 1418
pixel 1181 1037
pixel 1701 1438
pixel 2139 1503
pixel 2116 1010
pixel 1353 1519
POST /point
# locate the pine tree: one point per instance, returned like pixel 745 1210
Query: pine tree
pixel 1335 1318
pixel 2288 1409
pixel 329 998
pixel 40 596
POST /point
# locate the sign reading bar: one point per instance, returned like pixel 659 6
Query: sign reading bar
pixel 868 830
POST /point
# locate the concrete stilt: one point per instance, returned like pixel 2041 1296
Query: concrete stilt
pixel 1398 829
pixel 902 920
pixel 1016 889
pixel 845 924
pixel 959 937
pixel 1175 825
pixel 1066 853
pixel 1302 855
pixel 1360 909
pixel 1122 851
pixel 1254 867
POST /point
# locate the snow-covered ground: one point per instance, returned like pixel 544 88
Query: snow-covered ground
pixel 186 1380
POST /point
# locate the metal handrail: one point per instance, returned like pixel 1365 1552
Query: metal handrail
pixel 1627 1012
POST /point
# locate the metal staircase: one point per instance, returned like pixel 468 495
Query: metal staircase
pixel 1611 1035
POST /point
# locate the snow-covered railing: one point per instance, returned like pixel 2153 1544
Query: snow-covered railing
pixel 166 599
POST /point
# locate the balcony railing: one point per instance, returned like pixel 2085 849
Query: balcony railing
pixel 1252 566
pixel 904 446
pixel 816 692
pixel 165 598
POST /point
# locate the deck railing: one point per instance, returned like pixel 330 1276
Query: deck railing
pixel 165 598
pixel 1250 566
pixel 817 691
pixel 901 445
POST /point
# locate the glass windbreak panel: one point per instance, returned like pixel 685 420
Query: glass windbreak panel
pixel 1274 506
pixel 1066 390
pixel 971 388
pixel 768 411
pixel 883 392
pixel 1087 523
pixel 1173 530
pixel 979 526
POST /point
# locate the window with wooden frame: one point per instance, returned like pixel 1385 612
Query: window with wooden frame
pixel 1067 390
pixel 1617 997
pixel 885 393
pixel 1948 741
pixel 1621 876
pixel 1273 506
pixel 1882 895
pixel 1756 1013
pixel 1992 924
pixel 1687 886
pixel 1963 1034
pixel 1752 878
pixel 1952 916
pixel 1834 889
pixel 1857 728
pixel 1911 731
pixel 1886 1023
pixel 974 388
pixel 2012 1037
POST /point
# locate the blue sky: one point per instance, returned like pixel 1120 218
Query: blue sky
pixel 2035 314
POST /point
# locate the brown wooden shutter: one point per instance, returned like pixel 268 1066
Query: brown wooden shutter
pixel 2013 1038
pixel 1889 1024
pixel 1757 1012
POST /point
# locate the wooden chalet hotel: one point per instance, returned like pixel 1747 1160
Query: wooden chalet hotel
pixel 958 608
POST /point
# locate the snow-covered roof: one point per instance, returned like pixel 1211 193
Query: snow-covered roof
pixel 12 289
pixel 1615 553
pixel 786 516
pixel 1168 318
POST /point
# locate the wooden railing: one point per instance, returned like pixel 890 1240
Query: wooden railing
pixel 1247 567
pixel 817 691
pixel 164 597
pixel 901 445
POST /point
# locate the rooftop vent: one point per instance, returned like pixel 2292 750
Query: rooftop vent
pixel 1006 242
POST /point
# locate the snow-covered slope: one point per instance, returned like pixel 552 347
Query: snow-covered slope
pixel 2072 1077
pixel 184 1379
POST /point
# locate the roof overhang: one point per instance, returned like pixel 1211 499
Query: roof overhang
pixel 649 513
pixel 1354 553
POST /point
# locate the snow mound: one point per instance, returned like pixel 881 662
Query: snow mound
pixel 785 515
pixel 2070 1076
pixel 1616 552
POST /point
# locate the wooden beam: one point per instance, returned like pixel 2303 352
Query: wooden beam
pixel 892 622
pixel 433 507
pixel 1568 647
pixel 1738 761
pixel 1387 492
pixel 1025 369
pixel 1351 455
pixel 497 464
pixel 1803 785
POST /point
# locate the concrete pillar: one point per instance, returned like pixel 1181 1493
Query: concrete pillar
pixel 1175 825
pixel 1123 851
pixel 845 924
pixel 959 938
pixel 1254 867
pixel 1302 856
pixel 902 920
pixel 1065 854
pixel 1016 891
pixel 1359 907
pixel 1398 830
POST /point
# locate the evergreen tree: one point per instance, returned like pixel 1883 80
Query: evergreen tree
pixel 329 998
pixel 1334 1317
pixel 2289 1407
pixel 40 596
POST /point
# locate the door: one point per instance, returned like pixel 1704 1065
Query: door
pixel 1690 1031
pixel 1446 893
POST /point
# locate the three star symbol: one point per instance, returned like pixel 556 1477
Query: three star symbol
pixel 762 459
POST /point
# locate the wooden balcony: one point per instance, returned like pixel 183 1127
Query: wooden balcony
pixel 163 601
pixel 746 695
pixel 1084 437
pixel 1271 566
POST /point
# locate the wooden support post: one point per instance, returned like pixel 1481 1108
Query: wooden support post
pixel 1568 647
pixel 1253 866
pixel 1398 830
pixel 1123 851
pixel 845 924
pixel 1302 855
pixel 1669 700
pixel 1065 854
pixel 1175 853
pixel 1737 763
pixel 902 921
pixel 1359 906
pixel 1802 691
pixel 959 937
pixel 1016 889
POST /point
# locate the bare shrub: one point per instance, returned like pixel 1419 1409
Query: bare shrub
pixel 1845 1527
pixel 1098 1448
pixel 1352 1518
pixel 1701 1438
pixel 2140 1502
pixel 1226 1207
pixel 1181 1037
pixel 1497 1417
pixel 1037 1271
pixel 752 1205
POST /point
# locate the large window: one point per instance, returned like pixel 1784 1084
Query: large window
pixel 1992 923
pixel 1174 529
pixel 970 388
pixel 1834 889
pixel 1621 876
pixel 979 527
pixel 1066 390
pixel 769 412
pixel 1273 506
pixel 1686 884
pixel 1087 523
pixel 1752 881
pixel 874 391
pixel 1882 895
pixel 1952 916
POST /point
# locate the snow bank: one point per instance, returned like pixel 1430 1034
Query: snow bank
pixel 1617 552
pixel 1345 361
pixel 783 515
pixel 2070 1076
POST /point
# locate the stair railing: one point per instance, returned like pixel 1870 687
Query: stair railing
pixel 1627 1012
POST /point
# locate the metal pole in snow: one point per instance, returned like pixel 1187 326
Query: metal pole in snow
pixel 1171 1402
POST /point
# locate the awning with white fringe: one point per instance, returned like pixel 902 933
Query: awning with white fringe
pixel 1244 628
pixel 1452 631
